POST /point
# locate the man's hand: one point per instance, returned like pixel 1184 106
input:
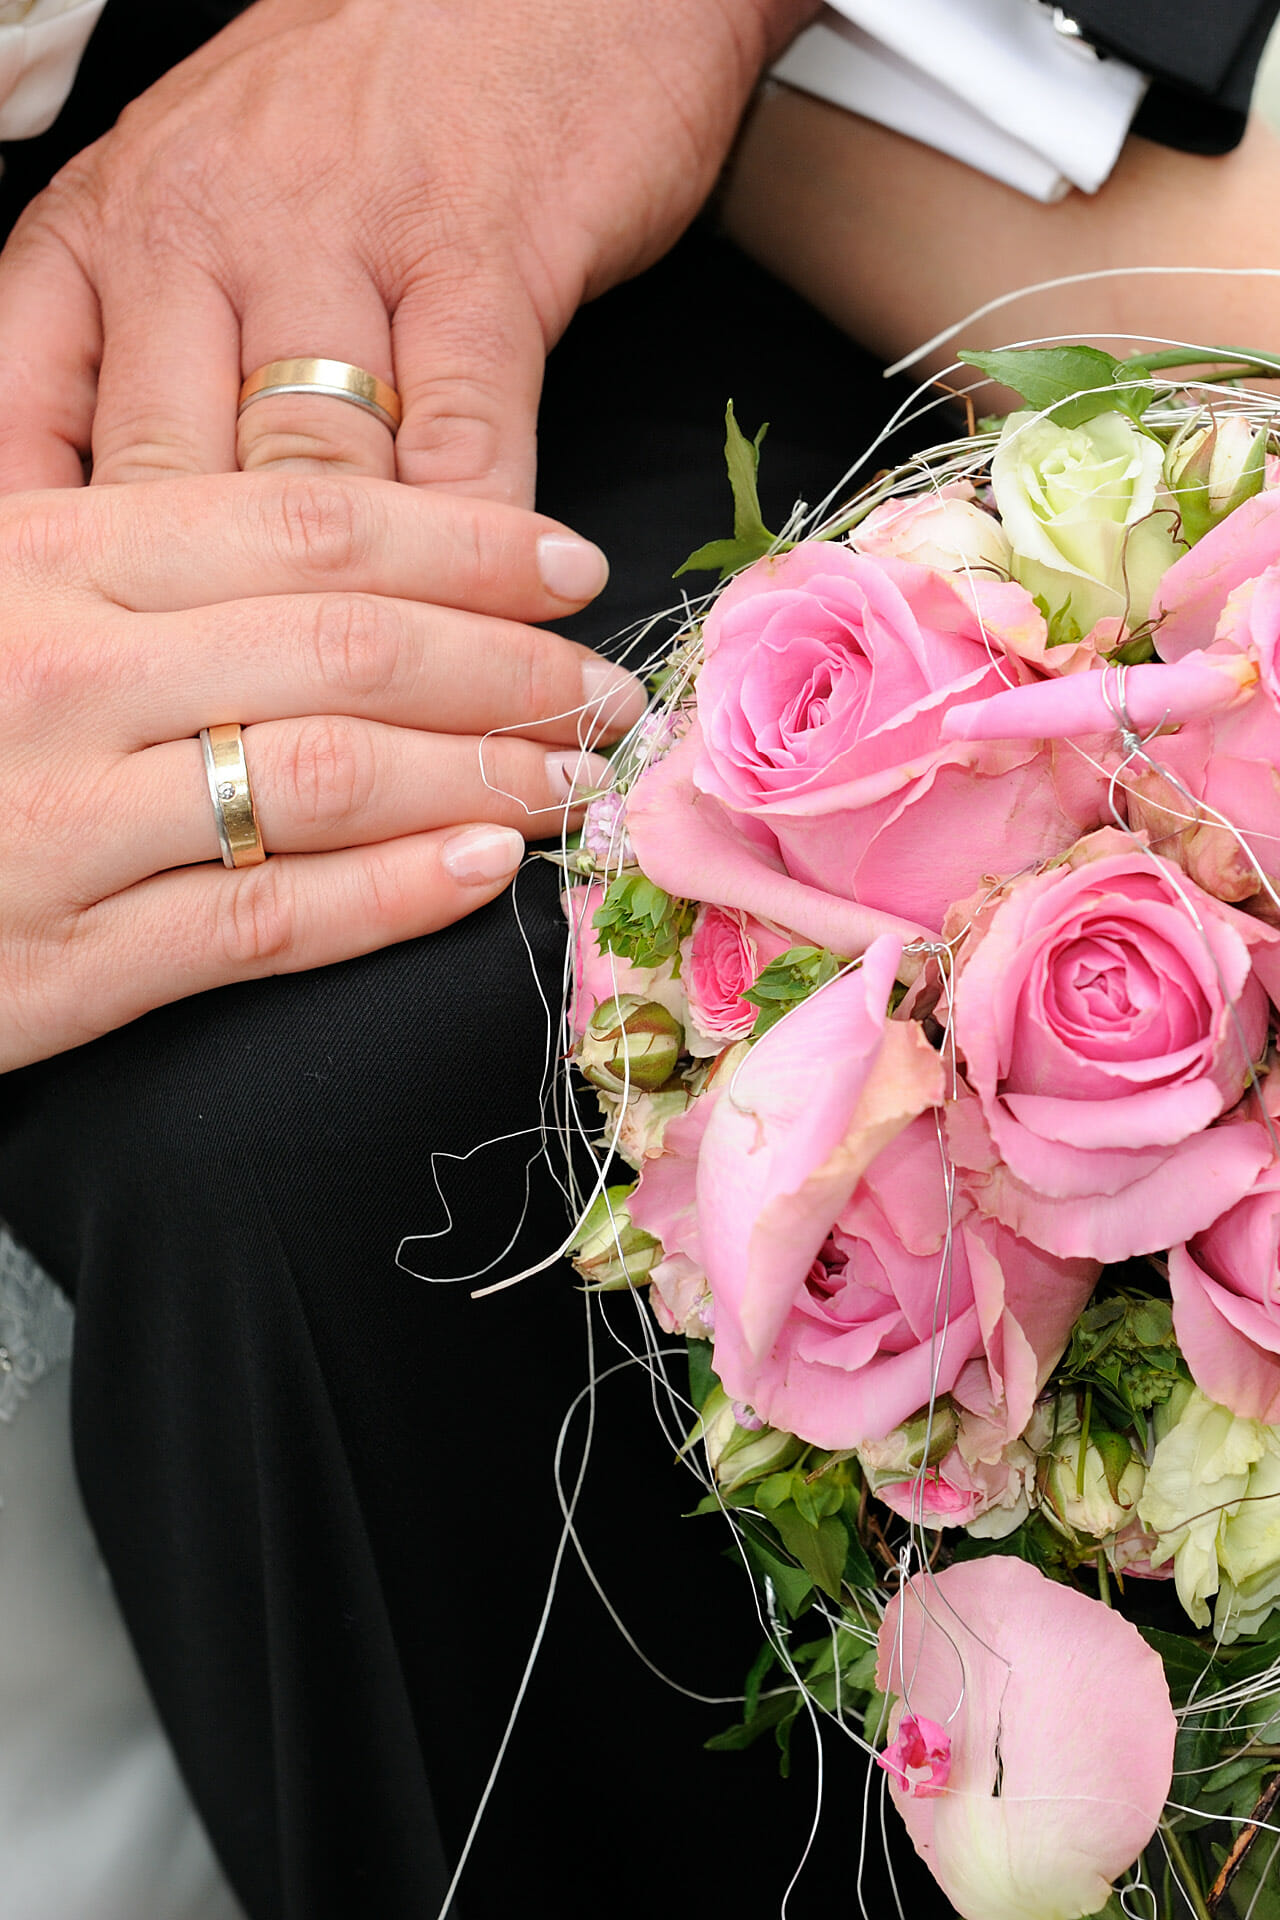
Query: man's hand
pixel 426 188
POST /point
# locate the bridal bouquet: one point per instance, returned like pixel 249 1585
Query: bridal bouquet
pixel 927 971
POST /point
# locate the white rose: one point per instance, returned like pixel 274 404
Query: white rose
pixel 1079 505
pixel 1207 1464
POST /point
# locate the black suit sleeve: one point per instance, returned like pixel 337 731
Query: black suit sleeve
pixel 1203 61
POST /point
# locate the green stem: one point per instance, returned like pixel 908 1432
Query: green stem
pixel 1104 1584
pixel 1190 1885
pixel 1086 1415
pixel 1201 357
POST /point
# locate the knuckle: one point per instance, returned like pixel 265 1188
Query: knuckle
pixel 322 524
pixel 38 538
pixel 255 928
pixel 331 773
pixel 356 644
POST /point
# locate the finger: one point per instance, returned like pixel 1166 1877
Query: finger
pixel 49 344
pixel 170 376
pixel 324 783
pixel 228 537
pixel 326 314
pixel 469 367
pixel 363 655
pixel 182 933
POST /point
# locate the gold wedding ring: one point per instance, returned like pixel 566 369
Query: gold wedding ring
pixel 232 796
pixel 335 379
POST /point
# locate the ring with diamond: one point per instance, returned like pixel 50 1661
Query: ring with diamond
pixel 232 796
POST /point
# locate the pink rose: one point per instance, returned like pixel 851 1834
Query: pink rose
pixel 1227 762
pixel 725 955
pixel 1061 1736
pixel 822 1225
pixel 817 759
pixel 1103 1032
pixel 600 975
pixel 1190 598
pixel 1226 1303
pixel 943 528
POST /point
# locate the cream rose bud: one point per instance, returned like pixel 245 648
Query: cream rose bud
pixel 630 1042
pixel 1212 1497
pixel 943 528
pixel 737 1454
pixel 611 1252
pixel 1214 471
pixel 1080 508
pixel 917 1443
pixel 1098 1500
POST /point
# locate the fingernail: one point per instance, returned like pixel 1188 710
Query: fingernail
pixel 572 774
pixel 479 855
pixel 614 697
pixel 571 569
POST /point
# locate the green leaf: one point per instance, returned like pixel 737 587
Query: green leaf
pixel 779 1709
pixel 791 1584
pixel 788 980
pixel 751 539
pixel 1186 1663
pixel 858 1570
pixel 1073 383
pixel 821 1550
pixel 702 1375
pixel 640 922
pixel 760 1666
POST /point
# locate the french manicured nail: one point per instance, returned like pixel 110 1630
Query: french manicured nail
pixel 572 774
pixel 479 855
pixel 571 569
pixel 613 697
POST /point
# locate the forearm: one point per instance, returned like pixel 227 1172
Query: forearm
pixel 894 240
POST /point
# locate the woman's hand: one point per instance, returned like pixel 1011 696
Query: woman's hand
pixel 427 190
pixel 399 747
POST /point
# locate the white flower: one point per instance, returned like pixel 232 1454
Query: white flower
pixel 1080 508
pixel 1101 1498
pixel 1213 1499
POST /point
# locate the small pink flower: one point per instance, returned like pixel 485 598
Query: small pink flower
pixel 919 1760
pixel 943 529
pixel 725 955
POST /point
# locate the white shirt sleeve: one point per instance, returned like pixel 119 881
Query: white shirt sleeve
pixel 992 82
pixel 41 43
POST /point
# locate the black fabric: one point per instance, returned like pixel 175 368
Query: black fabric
pixel 1203 61
pixel 134 42
pixel 323 1486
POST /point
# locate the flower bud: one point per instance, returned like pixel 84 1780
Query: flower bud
pixel 611 1252
pixel 1101 1498
pixel 1214 471
pixel 630 1043
pixel 737 1454
pixel 917 1443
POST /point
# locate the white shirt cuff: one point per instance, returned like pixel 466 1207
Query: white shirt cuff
pixel 990 82
pixel 41 44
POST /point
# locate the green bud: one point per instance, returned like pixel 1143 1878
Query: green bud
pixel 630 1043
pixel 738 1455
pixel 611 1252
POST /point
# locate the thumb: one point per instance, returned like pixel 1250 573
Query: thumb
pixel 469 357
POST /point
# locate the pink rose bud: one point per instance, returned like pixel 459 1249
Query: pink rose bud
pixel 919 1760
pixel 630 1044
